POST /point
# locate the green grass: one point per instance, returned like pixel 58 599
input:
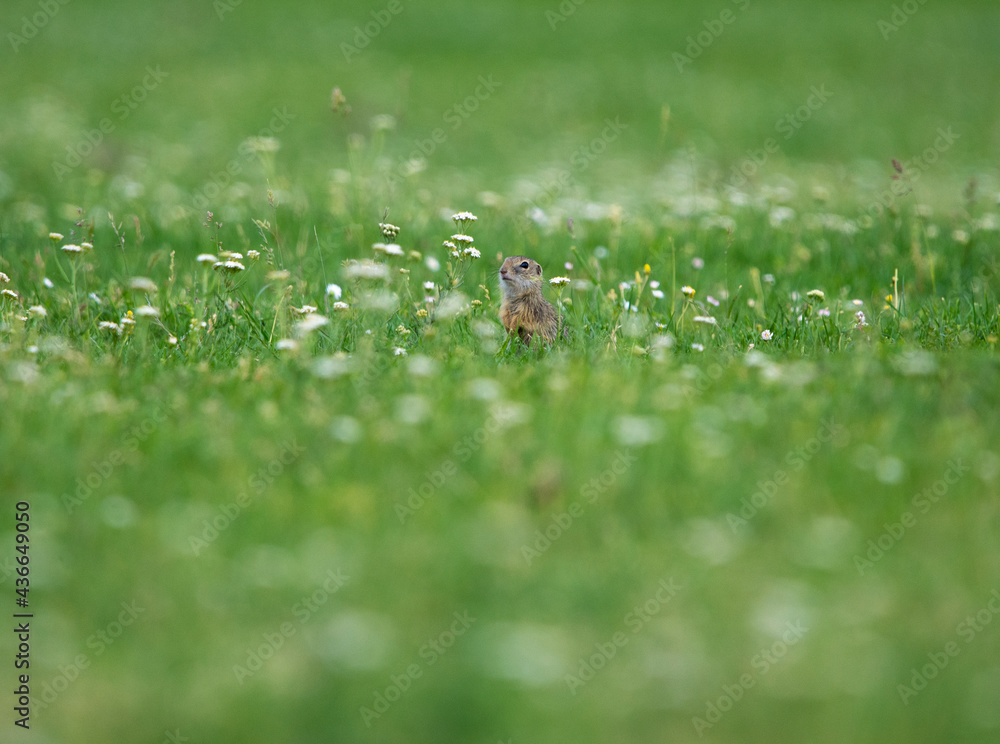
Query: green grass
pixel 391 524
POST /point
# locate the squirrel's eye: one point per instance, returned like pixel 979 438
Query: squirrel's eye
pixel 524 264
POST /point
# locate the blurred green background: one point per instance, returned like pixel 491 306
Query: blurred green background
pixel 707 431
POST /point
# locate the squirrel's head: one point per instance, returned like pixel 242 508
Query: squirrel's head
pixel 519 274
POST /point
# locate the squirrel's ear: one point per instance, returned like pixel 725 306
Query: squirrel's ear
pixel 538 269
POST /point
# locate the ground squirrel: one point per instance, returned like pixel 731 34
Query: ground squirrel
pixel 523 308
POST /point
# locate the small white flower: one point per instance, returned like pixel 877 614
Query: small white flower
pixel 4 279
pixel 37 311
pixel 464 217
pixel 172 340
pixel 857 303
pixel 70 248
pixel 960 236
pixel 568 266
pixel 816 294
pixel 706 319
pixel 449 245
pixel 231 256
pixel 286 344
pixel 860 320
pixel 559 281
pixel 658 294
pixel 472 252
pixel 87 246
pixel 461 238
pixel 32 349
pixel 310 323
pixel 253 255
pixel 432 263
pixel 687 291
pixel 334 291
pixel 305 309
pixel 108 325
pixel 126 321
pixel 54 236
pixel 698 263
pixel 365 269
pixel 392 249
pixel 766 335
pixel 823 312
pixel 768 278
pixel 147 311
pixel 8 293
pixel 206 258
pixel 231 267
pixel 398 351
pixel 712 301
pixel 141 284
pixel 429 286
pixel 698 347
pixel 341 307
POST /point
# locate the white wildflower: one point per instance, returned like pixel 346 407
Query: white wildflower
pixel 706 319
pixel 816 294
pixel 462 238
pixel 399 351
pixel 142 284
pixel 8 293
pixel 472 252
pixel 823 312
pixel 687 291
pixel 230 267
pixel 305 309
pixel 310 323
pixel 698 263
pixel 334 291
pixel 698 347
pixel 147 311
pixel 341 307
pixel 464 217
pixel 206 258
pixel 55 237
pixel 559 281
pixel 37 311
pixel 4 279
pixel 392 249
pixel 72 249
pixel 365 269
pixel 110 325
pixel 286 344
pixel 712 301
pixel 766 335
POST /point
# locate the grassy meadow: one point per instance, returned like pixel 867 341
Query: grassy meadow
pixel 289 481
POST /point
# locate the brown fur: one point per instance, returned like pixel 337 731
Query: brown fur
pixel 524 310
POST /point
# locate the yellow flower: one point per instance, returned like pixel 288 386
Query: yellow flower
pixel 647 269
